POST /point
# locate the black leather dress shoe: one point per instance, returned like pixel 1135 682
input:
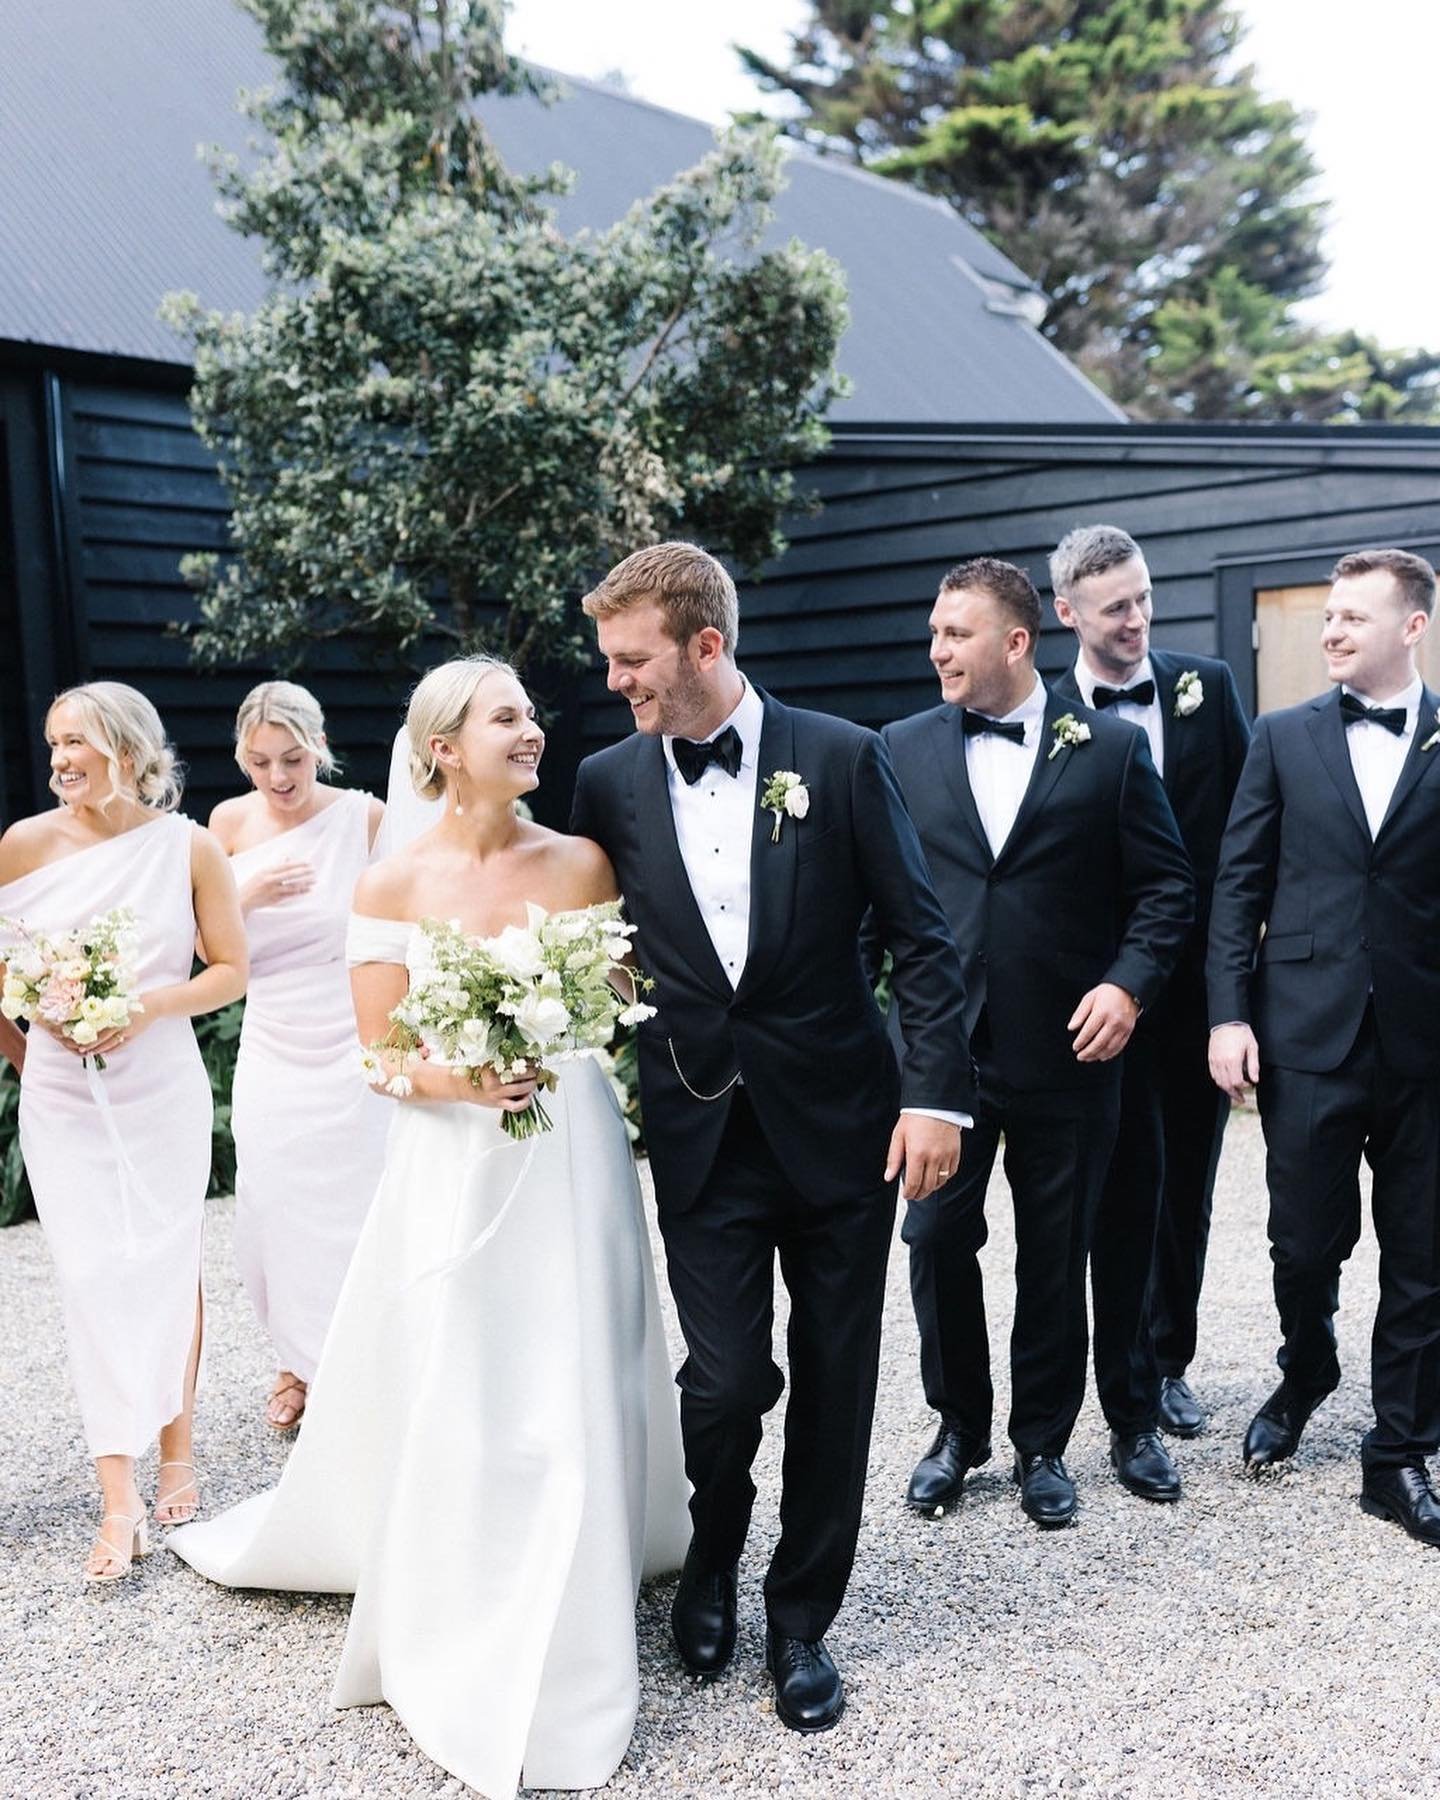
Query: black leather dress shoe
pixel 1181 1413
pixel 1047 1494
pixel 940 1473
pixel 1406 1496
pixel 703 1618
pixel 809 1694
pixel 1274 1432
pixel 1143 1464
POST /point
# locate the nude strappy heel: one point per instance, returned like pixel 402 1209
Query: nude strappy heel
pixel 187 1509
pixel 139 1546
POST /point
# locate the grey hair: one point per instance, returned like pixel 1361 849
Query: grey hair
pixel 1088 550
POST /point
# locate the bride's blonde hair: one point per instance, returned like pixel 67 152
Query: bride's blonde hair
pixel 438 708
pixel 121 723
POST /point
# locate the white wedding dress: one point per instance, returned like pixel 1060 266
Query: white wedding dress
pixel 490 1458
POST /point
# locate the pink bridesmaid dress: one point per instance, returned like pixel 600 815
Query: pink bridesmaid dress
pixel 309 1133
pixel 119 1160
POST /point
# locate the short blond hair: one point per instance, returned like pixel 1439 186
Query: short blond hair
pixel 438 708
pixel 692 589
pixel 121 723
pixel 294 709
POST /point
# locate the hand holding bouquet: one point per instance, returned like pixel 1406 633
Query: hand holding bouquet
pixel 518 1003
pixel 81 983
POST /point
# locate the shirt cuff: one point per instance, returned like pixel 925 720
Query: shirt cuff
pixel 1225 1024
pixel 962 1120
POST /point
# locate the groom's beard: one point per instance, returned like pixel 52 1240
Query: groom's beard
pixel 685 702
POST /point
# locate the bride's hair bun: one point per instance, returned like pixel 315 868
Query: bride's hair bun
pixel 124 726
pixel 438 708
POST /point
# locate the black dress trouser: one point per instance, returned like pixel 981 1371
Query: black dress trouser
pixel 1057 1147
pixel 1317 1127
pixel 1147 1258
pixel 720 1257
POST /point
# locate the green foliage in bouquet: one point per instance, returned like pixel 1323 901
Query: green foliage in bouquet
pixel 448 414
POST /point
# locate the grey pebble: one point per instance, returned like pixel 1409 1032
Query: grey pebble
pixel 1260 1638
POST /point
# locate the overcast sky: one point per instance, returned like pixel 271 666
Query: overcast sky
pixel 1365 71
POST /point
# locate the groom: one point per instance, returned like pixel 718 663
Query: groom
pixel 776 1114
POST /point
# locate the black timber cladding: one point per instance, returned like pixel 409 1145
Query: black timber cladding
pixel 99 518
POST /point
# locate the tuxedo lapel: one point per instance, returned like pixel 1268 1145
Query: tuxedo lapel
pixel 1327 729
pixel 665 867
pixel 1417 763
pixel 950 748
pixel 1049 768
pixel 772 864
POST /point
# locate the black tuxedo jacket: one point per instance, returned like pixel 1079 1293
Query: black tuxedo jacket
pixel 1204 753
pixel 1091 885
pixel 802 1028
pixel 1345 918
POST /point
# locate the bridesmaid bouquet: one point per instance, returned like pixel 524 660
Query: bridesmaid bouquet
pixel 518 1003
pixel 83 981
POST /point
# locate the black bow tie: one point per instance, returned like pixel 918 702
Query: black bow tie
pixel 692 759
pixel 1391 717
pixel 1141 694
pixel 976 725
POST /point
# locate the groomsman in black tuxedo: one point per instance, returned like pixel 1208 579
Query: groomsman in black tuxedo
pixel 1057 860
pixel 1151 1232
pixel 750 840
pixel 1333 849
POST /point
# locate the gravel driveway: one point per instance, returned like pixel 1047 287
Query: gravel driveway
pixel 1258 1639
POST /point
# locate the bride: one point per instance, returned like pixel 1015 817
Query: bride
pixel 490 1457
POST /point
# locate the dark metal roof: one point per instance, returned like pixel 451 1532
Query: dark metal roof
pixel 104 206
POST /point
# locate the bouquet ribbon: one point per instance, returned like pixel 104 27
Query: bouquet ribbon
pixel 131 1182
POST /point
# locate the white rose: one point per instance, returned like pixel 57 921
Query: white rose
pixel 541 1019
pixel 93 1009
pixel 75 969
pixel 797 801
pixel 516 954
pixel 84 1032
pixel 13 1005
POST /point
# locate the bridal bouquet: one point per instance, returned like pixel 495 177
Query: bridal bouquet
pixel 83 981
pixel 518 1003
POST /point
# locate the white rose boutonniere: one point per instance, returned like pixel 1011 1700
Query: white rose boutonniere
pixel 1189 694
pixel 1434 737
pixel 786 796
pixel 1068 732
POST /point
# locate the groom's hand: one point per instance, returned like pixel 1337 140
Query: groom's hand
pixel 928 1150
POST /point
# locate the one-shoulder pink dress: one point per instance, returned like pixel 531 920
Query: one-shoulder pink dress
pixel 119 1160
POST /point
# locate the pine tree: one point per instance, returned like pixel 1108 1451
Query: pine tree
pixel 1122 154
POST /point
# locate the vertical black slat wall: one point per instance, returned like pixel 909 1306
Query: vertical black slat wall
pixel 146 492
pixel 839 623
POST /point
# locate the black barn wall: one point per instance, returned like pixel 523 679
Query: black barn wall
pixel 104 486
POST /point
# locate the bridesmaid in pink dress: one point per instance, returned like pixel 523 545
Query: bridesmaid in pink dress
pixel 119 1162
pixel 309 1134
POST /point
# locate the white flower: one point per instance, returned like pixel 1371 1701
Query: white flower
pixel 540 1018
pixel 370 1067
pixel 636 1014
pixel 1189 693
pixel 94 1010
pixel 1434 737
pixel 401 1086
pixel 83 1032
pixel 1068 732
pixel 516 954
pixel 786 796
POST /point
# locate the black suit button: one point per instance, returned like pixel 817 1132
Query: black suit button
pixel 980 956
pixel 1364 943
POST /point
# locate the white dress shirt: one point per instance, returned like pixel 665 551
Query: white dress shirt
pixel 714 824
pixel 1000 770
pixel 1149 718
pixel 1377 755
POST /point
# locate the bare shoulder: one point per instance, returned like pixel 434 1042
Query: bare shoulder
pixel 207 854
pixel 28 844
pixel 227 818
pixel 384 889
pixel 580 868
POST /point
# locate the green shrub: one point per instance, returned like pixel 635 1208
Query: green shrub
pixel 16 1200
